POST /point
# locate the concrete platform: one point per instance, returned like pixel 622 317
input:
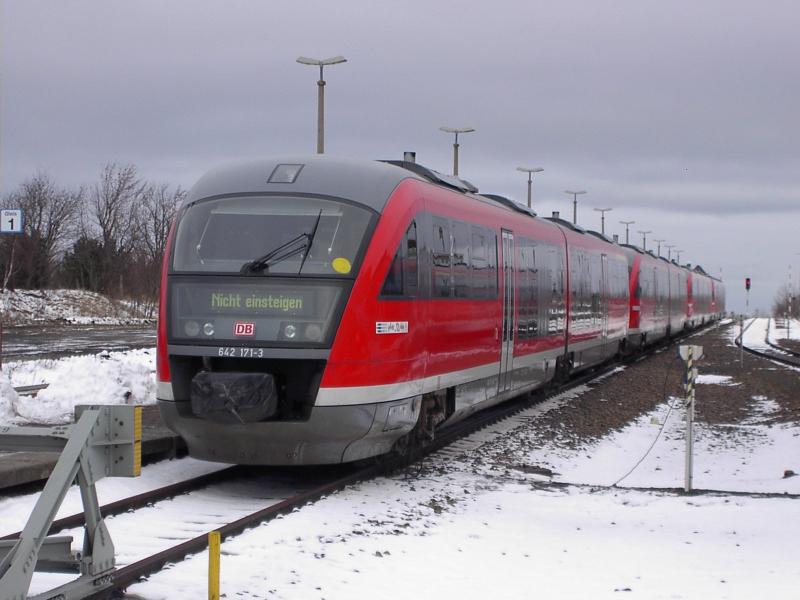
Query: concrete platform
pixel 32 468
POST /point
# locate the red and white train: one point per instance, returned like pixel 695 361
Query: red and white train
pixel 320 310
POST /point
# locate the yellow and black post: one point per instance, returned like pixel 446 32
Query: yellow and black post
pixel 689 354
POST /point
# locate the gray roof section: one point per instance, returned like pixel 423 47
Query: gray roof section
pixel 363 181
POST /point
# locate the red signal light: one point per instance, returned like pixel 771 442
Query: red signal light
pixel 747 283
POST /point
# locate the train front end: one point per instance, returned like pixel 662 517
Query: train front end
pixel 259 268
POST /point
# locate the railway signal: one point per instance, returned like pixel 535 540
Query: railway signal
pixel 747 283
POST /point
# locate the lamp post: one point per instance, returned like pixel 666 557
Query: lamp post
pixel 456 131
pixel 669 248
pixel 321 94
pixel 659 246
pixel 530 172
pixel 678 253
pixel 627 223
pixel 575 204
pixel 644 239
pixel 603 212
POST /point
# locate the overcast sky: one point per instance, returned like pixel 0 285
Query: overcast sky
pixel 682 116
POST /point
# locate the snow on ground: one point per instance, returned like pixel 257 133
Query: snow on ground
pixel 715 380
pixel 104 378
pixel 503 514
pixel 755 333
pixel 24 307
pixel 8 397
pixel 14 511
pixel 425 538
pixel 780 333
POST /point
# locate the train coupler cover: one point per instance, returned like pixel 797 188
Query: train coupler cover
pixel 233 397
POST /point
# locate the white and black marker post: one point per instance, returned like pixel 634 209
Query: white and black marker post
pixel 741 324
pixel 11 222
pixel 689 354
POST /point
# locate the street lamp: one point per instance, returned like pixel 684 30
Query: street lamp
pixel 678 252
pixel 335 60
pixel 603 212
pixel 574 204
pixel 627 223
pixel 644 239
pixel 456 131
pixel 530 172
pixel 659 246
pixel 669 248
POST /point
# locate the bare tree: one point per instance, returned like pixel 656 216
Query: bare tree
pixel 49 219
pixel 155 213
pixel 781 303
pixel 112 206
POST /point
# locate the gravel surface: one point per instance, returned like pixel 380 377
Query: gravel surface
pixel 615 401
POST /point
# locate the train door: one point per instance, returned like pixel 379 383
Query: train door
pixel 507 337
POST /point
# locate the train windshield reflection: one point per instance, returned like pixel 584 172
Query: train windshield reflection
pixel 223 234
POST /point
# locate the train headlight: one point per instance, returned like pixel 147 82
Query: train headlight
pixel 313 332
pixel 191 328
pixel 289 331
pixel 208 329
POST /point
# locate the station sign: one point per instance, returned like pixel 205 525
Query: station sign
pixel 11 220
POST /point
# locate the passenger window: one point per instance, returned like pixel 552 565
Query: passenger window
pixel 402 278
pixel 461 270
pixel 442 250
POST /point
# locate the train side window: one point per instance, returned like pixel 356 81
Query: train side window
pixel 402 278
pixel 462 280
pixel 528 290
pixel 479 263
pixel 442 251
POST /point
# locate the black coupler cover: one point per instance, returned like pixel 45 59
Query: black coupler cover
pixel 233 397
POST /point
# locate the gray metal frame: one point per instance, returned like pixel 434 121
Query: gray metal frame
pixel 105 441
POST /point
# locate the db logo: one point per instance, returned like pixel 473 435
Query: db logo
pixel 244 328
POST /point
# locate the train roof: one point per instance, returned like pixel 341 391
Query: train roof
pixel 363 181
pixel 366 182
pixel 602 236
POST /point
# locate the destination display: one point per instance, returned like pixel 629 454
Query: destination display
pixel 264 311
pixel 240 300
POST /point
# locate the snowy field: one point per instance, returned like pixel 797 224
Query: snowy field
pixel 494 516
pixel 24 307
pixel 501 514
pixel 104 378
pixel 780 333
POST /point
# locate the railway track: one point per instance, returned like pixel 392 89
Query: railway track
pixel 776 353
pixel 778 347
pixel 296 488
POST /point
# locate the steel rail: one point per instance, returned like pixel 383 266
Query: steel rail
pixel 778 346
pixel 739 341
pixel 144 499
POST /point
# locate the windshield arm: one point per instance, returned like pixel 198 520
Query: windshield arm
pixel 310 242
pixel 282 252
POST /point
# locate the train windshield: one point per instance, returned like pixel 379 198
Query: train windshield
pixel 266 235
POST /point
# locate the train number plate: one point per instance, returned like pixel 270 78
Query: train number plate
pixel 384 327
pixel 240 352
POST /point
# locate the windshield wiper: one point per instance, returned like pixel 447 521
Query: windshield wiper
pixel 281 253
pixel 310 241
pixel 301 243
